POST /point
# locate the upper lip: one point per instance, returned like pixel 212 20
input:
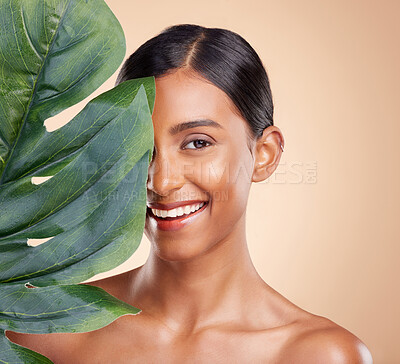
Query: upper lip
pixel 172 205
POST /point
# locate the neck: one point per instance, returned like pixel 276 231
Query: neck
pixel 210 289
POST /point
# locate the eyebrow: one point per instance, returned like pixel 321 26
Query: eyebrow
pixel 193 124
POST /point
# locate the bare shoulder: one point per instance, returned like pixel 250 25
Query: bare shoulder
pixel 322 341
pixel 55 346
pixel 58 346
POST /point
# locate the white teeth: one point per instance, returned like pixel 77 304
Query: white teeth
pixel 182 210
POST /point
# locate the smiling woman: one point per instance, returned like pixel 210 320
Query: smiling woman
pixel 201 298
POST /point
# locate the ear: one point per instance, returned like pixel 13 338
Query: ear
pixel 268 151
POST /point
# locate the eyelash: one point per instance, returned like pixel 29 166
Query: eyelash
pixel 195 140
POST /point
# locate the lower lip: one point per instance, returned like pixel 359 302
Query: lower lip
pixel 175 223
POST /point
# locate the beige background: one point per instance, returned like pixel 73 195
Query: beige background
pixel 324 229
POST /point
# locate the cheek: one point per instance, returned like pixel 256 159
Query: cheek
pixel 227 179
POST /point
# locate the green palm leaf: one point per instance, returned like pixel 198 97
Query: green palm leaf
pixel 53 54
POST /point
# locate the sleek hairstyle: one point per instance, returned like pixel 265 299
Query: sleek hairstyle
pixel 221 56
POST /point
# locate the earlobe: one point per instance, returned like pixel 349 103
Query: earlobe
pixel 268 151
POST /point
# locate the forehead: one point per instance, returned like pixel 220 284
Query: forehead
pixel 184 95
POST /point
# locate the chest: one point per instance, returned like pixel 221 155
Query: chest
pixel 152 344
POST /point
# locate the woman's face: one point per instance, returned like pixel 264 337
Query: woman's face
pixel 205 163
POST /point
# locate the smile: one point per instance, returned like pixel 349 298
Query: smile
pixel 172 223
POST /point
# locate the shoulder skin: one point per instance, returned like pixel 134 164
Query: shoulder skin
pixel 329 345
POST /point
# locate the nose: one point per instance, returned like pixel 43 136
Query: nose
pixel 164 175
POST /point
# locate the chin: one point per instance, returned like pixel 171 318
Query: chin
pixel 177 252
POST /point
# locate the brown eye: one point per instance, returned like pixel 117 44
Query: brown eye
pixel 201 143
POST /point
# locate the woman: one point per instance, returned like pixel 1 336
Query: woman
pixel 202 300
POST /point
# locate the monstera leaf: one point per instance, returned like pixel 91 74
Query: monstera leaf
pixel 53 54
